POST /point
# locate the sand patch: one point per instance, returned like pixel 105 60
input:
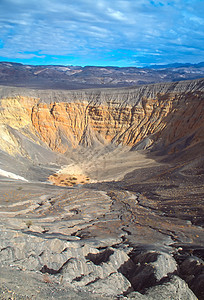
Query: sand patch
pixel 69 176
pixel 68 180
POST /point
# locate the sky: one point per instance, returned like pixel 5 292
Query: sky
pixel 102 32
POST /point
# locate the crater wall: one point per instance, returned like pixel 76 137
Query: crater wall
pixel 167 115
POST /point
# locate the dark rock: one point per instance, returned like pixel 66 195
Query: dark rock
pixel 192 271
pixel 174 289
pixel 150 268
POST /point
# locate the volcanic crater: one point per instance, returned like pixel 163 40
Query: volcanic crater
pixel 102 192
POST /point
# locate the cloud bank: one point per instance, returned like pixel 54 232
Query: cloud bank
pixel 102 32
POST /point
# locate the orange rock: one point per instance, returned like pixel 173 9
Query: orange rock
pixel 168 117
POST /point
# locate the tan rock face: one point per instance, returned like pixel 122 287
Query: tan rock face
pixel 127 125
pixel 57 121
pixel 61 125
pixel 15 113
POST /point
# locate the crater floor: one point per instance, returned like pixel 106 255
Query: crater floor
pixel 132 204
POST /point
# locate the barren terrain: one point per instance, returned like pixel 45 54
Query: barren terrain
pixel 75 77
pixel 102 193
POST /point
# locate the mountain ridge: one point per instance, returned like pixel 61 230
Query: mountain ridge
pixel 77 77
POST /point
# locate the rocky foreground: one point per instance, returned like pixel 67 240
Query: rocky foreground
pixel 99 241
pixel 121 222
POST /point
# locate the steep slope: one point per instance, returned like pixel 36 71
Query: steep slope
pixel 165 114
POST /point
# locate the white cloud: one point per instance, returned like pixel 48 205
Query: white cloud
pixel 116 14
pixel 87 27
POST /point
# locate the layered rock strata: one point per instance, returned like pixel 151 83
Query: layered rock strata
pixel 167 113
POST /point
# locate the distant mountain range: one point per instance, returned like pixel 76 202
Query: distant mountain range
pixel 76 77
pixel 177 65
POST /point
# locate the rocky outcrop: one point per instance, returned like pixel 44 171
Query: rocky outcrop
pixel 90 239
pixel 150 268
pixel 175 289
pixel 70 262
pixel 192 270
pixel 105 272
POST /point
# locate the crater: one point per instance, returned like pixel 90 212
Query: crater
pixel 138 152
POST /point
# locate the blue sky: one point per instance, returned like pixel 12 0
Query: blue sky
pixel 102 32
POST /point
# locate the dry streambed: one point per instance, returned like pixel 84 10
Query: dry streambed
pixel 101 242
